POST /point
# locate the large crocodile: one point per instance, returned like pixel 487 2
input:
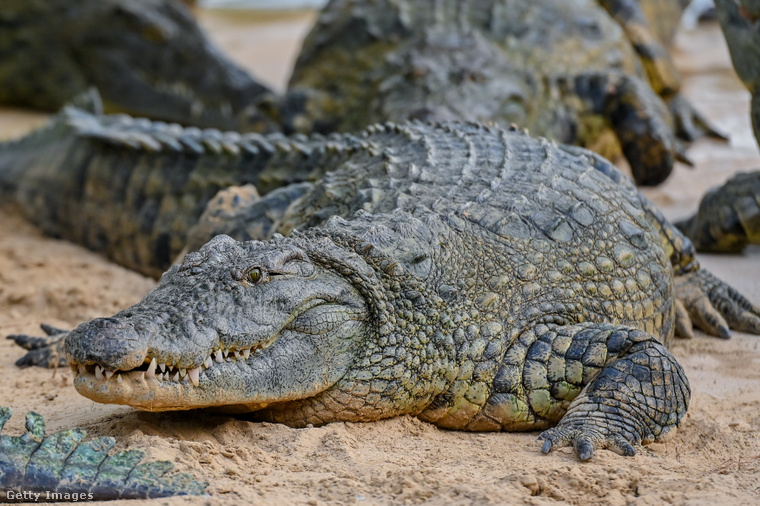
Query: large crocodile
pixel 63 467
pixel 146 57
pixel 477 278
pixel 591 73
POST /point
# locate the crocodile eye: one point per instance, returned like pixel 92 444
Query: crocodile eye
pixel 254 275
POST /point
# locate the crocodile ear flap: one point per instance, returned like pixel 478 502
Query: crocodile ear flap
pixel 89 100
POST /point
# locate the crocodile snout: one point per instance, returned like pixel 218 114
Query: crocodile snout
pixel 111 343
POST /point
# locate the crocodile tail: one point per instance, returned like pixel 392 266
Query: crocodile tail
pixel 18 156
pixel 131 188
pixel 63 466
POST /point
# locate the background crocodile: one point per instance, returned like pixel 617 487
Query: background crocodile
pixel 132 188
pixel 728 218
pixel 488 281
pixel 372 63
pixel 76 470
pixel 146 57
pixel 586 73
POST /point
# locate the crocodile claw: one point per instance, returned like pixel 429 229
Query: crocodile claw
pixel 44 351
pixel 585 440
pixel 714 307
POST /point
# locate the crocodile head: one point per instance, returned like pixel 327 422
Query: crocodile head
pixel 241 325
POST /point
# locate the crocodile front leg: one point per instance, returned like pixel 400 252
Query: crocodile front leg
pixel 626 388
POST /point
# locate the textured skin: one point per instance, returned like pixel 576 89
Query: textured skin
pixel 482 280
pixel 154 179
pixel 83 470
pixel 146 57
pixel 496 60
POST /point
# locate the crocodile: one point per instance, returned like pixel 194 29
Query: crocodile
pixel 591 73
pixel 132 188
pixel 728 217
pixel 146 58
pixel 474 277
pixel 64 467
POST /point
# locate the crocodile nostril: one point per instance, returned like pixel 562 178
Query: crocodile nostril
pixel 109 342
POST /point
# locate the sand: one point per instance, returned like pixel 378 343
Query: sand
pixel 714 458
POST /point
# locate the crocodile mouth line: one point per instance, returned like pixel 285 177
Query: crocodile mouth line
pixel 162 372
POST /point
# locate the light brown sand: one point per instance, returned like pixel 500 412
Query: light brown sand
pixel 713 459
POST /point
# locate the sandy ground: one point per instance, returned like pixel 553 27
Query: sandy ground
pixel 713 459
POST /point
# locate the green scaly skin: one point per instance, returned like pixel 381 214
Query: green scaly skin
pixel 477 278
pixel 146 58
pixel 70 467
pixel 367 62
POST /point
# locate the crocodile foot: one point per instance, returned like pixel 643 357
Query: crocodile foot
pixel 713 306
pixel 42 351
pixel 585 440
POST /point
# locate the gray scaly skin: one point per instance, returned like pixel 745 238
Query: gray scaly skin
pixel 476 278
pixel 146 57
pixel 131 188
pixel 728 218
pixel 588 73
pixel 64 464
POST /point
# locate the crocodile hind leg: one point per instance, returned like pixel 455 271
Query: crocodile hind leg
pixel 240 214
pixel 604 385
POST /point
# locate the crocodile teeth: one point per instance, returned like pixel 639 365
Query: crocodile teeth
pixel 225 353
pixel 118 378
pixel 182 373
pixel 176 376
pixel 167 377
pixel 162 366
pixel 246 353
pixel 195 375
pixel 208 363
pixel 238 355
pixel 109 374
pixel 151 372
pixel 98 373
pixel 219 358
